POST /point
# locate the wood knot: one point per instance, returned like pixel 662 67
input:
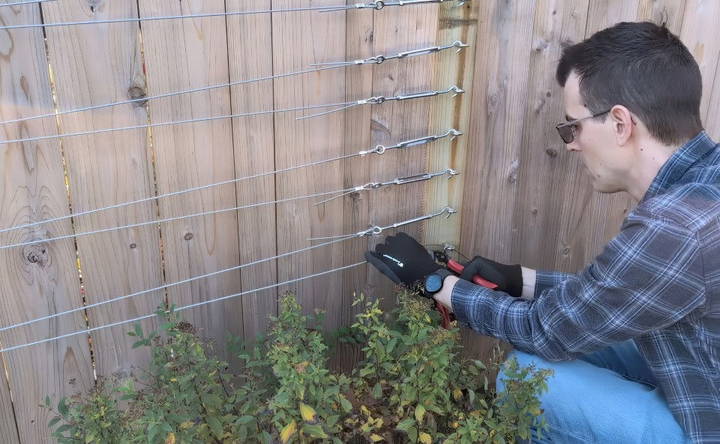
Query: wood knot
pixel 551 152
pixel 188 236
pixel 36 254
pixel 513 173
pixel 133 246
pixel 377 126
pixel 540 45
pixel 136 93
pixel 94 5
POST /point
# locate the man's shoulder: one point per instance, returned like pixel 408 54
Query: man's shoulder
pixel 692 205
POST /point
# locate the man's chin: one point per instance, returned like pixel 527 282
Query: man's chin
pixel 604 188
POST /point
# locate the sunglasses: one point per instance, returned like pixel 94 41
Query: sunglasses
pixel 568 130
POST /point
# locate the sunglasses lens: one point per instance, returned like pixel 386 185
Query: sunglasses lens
pixel 566 133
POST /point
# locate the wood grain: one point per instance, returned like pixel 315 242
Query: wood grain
pixel 396 30
pixel 494 158
pixel 192 155
pixel 701 15
pixel 451 68
pixel 100 64
pixel 250 52
pixel 360 37
pixel 37 280
pixel 300 39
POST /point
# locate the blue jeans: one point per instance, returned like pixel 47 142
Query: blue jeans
pixel 609 396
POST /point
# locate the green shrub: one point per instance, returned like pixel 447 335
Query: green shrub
pixel 411 386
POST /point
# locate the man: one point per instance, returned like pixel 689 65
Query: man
pixel 634 338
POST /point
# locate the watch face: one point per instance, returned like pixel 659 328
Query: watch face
pixel 433 283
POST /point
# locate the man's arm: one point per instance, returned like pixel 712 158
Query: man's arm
pixel 528 290
pixel 547 279
pixel 648 277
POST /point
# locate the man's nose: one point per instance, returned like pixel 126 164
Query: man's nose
pixel 573 146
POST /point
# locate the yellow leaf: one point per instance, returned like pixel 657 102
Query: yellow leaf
pixel 308 413
pixel 287 432
pixel 186 425
pixel 419 413
pixel 170 439
pixel 364 410
pixel 376 438
pixel 457 394
pixel 173 379
pixel 425 438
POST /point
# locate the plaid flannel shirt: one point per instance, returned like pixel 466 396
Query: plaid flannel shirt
pixel 657 282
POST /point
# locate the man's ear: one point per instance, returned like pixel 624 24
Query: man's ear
pixel 623 123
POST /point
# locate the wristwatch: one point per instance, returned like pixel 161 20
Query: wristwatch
pixel 434 281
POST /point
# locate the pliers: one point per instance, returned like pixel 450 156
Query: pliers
pixel 457 268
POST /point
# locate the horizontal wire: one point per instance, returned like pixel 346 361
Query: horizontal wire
pixel 170 219
pixel 185 307
pixel 170 285
pixel 373 231
pixel 335 65
pixel 377 100
pixel 169 94
pixel 448 133
pixel 177 17
pixel 341 192
pixel 25 2
pixel 175 122
pixel 375 5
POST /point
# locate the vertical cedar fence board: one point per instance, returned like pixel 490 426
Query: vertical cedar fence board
pixel 250 52
pixel 179 55
pixel 521 197
pixel 94 65
pixel 39 279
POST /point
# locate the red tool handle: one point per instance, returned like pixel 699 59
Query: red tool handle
pixel 445 315
pixel 458 268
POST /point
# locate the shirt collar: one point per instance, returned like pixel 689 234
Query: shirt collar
pixel 679 163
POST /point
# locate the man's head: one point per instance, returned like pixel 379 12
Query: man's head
pixel 644 86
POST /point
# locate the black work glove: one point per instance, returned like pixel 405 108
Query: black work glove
pixel 402 259
pixel 507 277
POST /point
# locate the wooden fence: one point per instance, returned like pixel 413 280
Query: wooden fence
pixel 521 196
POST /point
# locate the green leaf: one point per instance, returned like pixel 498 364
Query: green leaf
pixel 412 434
pixel 314 431
pixel 62 407
pixel 48 401
pixel 377 391
pixel 138 330
pixel 330 421
pixel 366 371
pixel 245 419
pixel 405 424
pixel 346 405
pixel 54 421
pixel 63 428
pixel 215 426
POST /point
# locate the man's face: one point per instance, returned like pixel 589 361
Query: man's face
pixel 606 161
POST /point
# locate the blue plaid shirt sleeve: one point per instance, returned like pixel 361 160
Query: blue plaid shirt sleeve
pixel 548 279
pixel 648 277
